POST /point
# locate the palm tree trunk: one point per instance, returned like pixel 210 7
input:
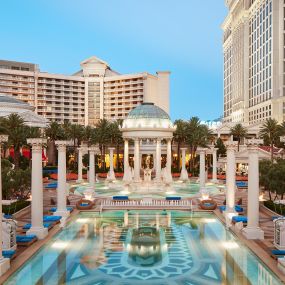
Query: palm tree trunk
pixel 271 151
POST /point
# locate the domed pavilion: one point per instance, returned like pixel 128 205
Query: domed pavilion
pixel 150 128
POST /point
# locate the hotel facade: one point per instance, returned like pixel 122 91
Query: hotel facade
pixel 254 61
pixel 93 93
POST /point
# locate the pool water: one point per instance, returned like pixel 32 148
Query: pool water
pixel 185 190
pixel 144 247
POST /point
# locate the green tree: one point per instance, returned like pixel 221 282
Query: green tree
pixel 179 137
pixel 197 135
pixel 270 132
pixel 221 147
pixel 101 137
pixel 15 128
pixel 238 132
pixel 53 132
pixel 116 138
pixel 264 178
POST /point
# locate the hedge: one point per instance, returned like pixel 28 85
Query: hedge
pixel 15 207
pixel 278 208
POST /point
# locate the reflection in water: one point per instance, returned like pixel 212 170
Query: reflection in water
pixel 144 248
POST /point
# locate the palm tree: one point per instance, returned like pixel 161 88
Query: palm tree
pixel 179 136
pixel 270 132
pixel 196 135
pixel 239 132
pixel 53 132
pixel 15 128
pixel 102 137
pixel 116 138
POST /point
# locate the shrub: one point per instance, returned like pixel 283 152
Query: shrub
pixel 15 207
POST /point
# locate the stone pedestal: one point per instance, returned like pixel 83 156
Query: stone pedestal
pixel 184 173
pixel 37 227
pixel 61 180
pixel 4 262
pixel 252 230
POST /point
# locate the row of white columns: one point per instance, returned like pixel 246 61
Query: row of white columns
pixel 137 158
pixel 202 173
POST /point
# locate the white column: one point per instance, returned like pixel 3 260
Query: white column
pixel 230 178
pixel 158 160
pixel 80 165
pixel 91 176
pixel 184 173
pixel 61 180
pixel 202 171
pixel 137 160
pixel 126 154
pixel 111 175
pixel 168 159
pixel 37 227
pixel 214 176
pixel 253 231
pixel 4 262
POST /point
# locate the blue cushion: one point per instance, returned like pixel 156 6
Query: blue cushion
pixel 8 253
pixel 28 226
pixel 222 208
pixel 120 198
pixel 51 218
pixel 53 209
pixel 84 204
pixel 173 198
pixel 239 219
pixel 208 204
pixel 278 252
pixel 26 238
pixel 8 216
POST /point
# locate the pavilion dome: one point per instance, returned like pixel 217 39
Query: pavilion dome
pixel 10 105
pixel 147 115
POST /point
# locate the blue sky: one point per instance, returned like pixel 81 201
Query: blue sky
pixel 182 36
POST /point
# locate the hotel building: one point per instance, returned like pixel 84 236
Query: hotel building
pixel 95 92
pixel 254 61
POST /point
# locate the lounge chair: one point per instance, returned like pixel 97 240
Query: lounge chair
pixel 26 240
pixel 47 225
pixel 208 205
pixel 9 253
pixel 238 208
pixel 237 219
pixel 53 209
pixel 277 253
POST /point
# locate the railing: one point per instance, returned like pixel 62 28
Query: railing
pixel 155 204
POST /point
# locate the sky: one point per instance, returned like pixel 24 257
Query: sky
pixel 182 36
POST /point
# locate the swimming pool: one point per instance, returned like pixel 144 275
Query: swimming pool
pixel 137 191
pixel 144 247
